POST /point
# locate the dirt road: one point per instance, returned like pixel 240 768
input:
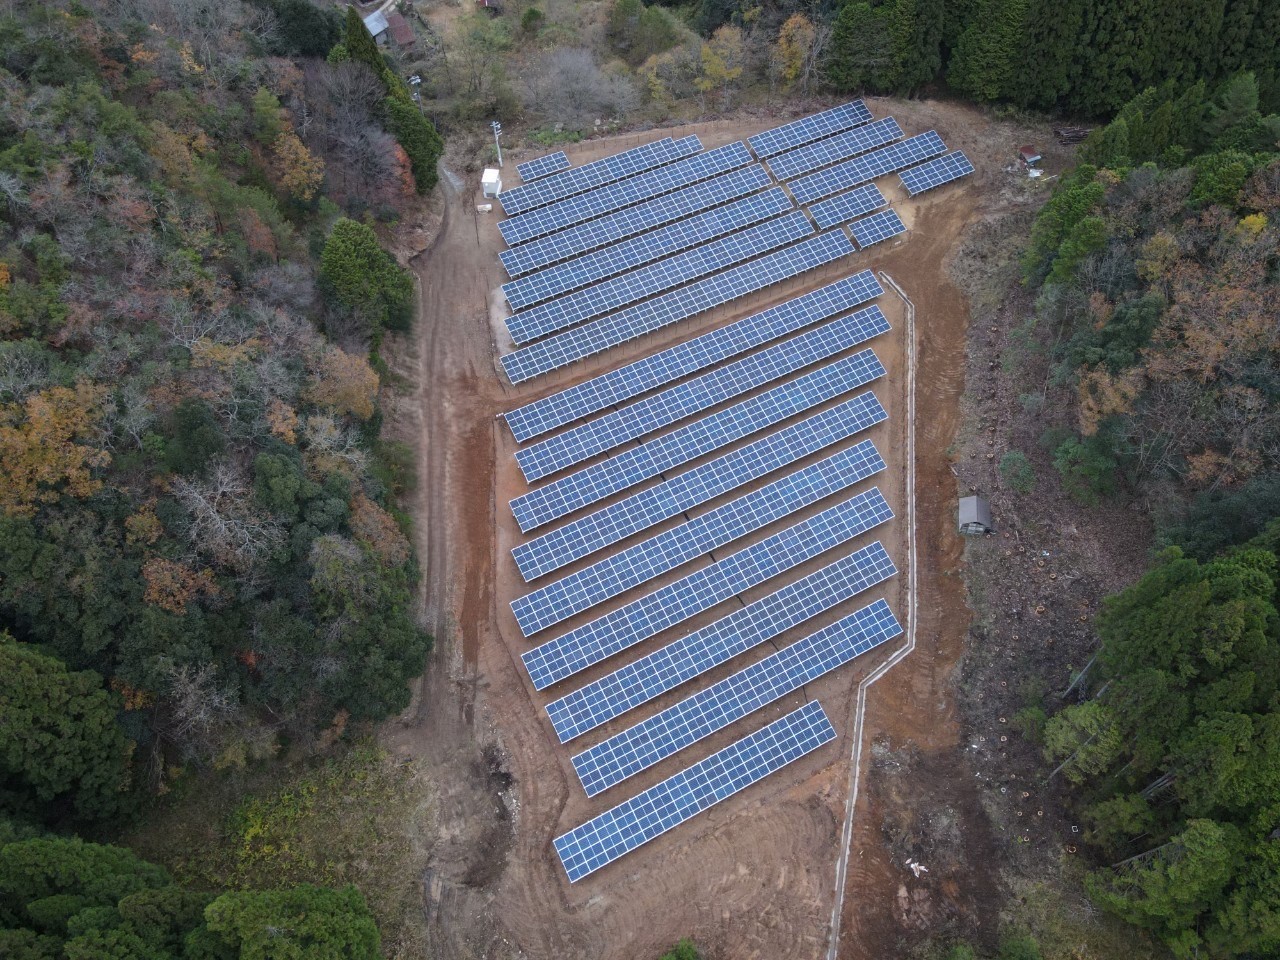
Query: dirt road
pixel 753 877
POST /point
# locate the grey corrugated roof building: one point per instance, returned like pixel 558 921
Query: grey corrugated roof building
pixel 376 24
pixel 975 516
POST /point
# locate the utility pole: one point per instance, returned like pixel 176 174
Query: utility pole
pixel 497 132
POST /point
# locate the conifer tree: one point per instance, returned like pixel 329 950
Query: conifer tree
pixel 860 55
pixel 987 55
pixel 419 138
pixel 360 44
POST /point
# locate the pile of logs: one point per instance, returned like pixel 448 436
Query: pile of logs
pixel 1068 135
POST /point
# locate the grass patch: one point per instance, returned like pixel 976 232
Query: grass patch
pixel 1068 926
pixel 358 818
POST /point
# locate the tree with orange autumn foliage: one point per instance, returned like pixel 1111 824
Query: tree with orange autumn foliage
pixel 177 429
pixel 377 530
pixel 300 171
pixel 344 383
pixel 171 586
pixel 283 421
pixel 41 456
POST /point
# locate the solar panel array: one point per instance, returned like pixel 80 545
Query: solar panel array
pixel 808 129
pixel 597 173
pixel 669 731
pixel 615 196
pixel 935 173
pixel 672 548
pixel 652 505
pixel 843 207
pixel 565 311
pixel 689 301
pixel 617 386
pixel 653 213
pixel 694 440
pixel 631 244
pixel 867 167
pixel 702 589
pixel 588 439
pixel 877 227
pixel 788 166
pixel 543 166
pixel 636 821
pixel 645 248
pixel 691 656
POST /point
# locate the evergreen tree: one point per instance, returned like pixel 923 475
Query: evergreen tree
pixel 358 274
pixel 64 899
pixel 915 31
pixel 305 923
pixel 419 138
pixel 61 750
pixel 1049 65
pixel 860 55
pixel 1108 146
pixel 988 54
pixel 360 44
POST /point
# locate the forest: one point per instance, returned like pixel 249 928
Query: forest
pixel 202 561
pixel 566 68
pixel 205 564
pixel 1156 264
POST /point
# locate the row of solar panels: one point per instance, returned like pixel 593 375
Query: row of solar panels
pixel 604 186
pixel 645 281
pixel 764 144
pixel 624 193
pixel 652 812
pixel 697 439
pixel 662 735
pixel 624 288
pixel 665 551
pixel 649 814
pixel 704 588
pixel 663 277
pixel 718 222
pixel 572 446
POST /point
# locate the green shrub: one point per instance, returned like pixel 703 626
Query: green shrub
pixel 1016 471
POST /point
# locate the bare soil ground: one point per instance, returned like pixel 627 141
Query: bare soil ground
pixel 754 876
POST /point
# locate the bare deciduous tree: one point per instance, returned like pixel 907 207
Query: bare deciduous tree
pixel 568 85
pixel 221 521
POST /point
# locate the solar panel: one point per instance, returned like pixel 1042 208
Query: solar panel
pixel 666 274
pixel 807 129
pixel 591 338
pixel 597 436
pixel 935 173
pixel 652 505
pixel 634 822
pixel 553 281
pixel 843 207
pixel 693 655
pixel 877 227
pixel 667 366
pixel 867 167
pixel 615 196
pixel 665 551
pixel 543 166
pixel 625 223
pixel 696 439
pixel 666 733
pixel 788 166
pixel 595 174
pixel 702 589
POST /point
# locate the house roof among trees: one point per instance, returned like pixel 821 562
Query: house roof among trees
pixel 401 31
